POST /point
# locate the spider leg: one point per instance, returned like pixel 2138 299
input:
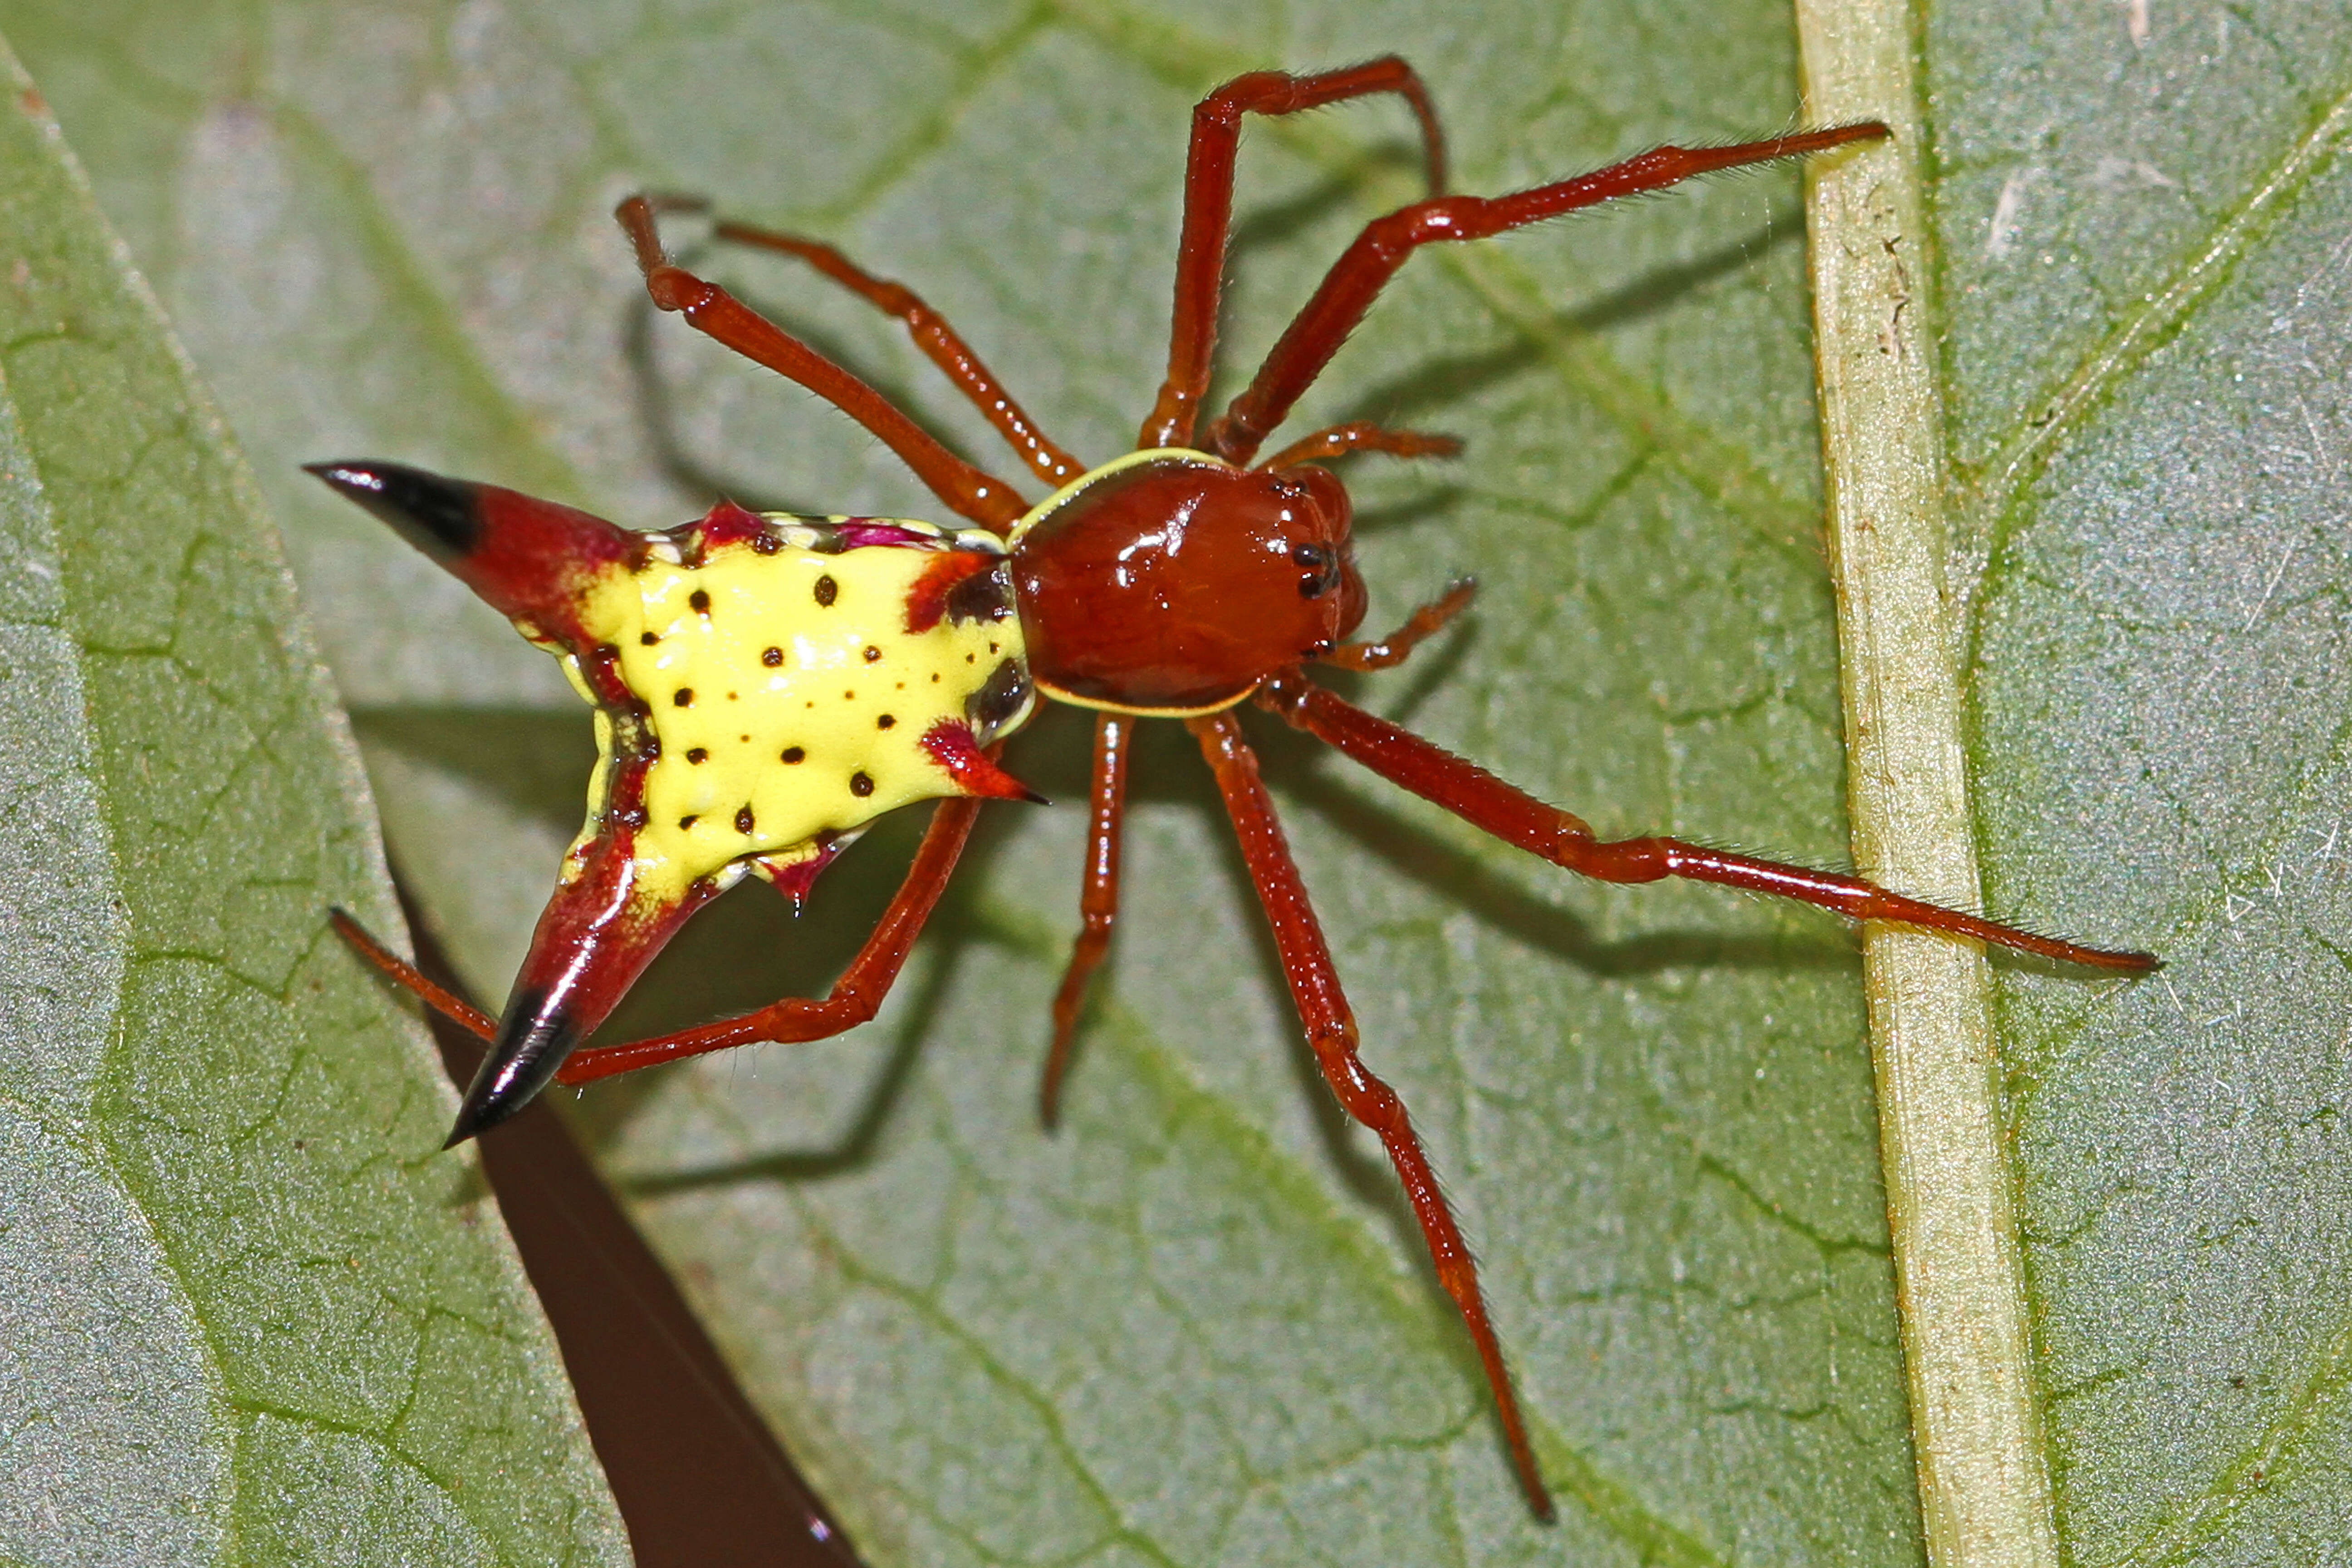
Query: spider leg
pixel 1331 1032
pixel 407 975
pixel 1397 647
pixel 1356 279
pixel 971 492
pixel 939 342
pixel 1362 436
pixel 854 998
pixel 1209 212
pixel 1478 797
pixel 1097 901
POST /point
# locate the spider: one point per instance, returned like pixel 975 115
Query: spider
pixel 765 686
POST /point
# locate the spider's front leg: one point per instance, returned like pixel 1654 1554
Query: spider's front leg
pixel 1362 436
pixel 1209 212
pixel 1356 279
pixel 1330 1026
pixel 1397 647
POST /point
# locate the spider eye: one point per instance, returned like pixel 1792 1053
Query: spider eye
pixel 1322 564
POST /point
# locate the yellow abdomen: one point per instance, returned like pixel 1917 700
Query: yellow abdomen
pixel 799 683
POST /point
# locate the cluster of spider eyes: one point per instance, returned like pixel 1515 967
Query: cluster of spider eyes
pixel 1321 564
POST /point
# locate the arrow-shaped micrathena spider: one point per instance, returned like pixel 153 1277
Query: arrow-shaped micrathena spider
pixel 765 686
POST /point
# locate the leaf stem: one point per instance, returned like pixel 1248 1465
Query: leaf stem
pixel 1984 1483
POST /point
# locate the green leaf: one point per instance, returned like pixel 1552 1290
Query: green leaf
pixel 1194 1325
pixel 2142 216
pixel 246 1315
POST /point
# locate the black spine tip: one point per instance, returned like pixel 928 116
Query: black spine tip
pixel 441 517
pixel 533 1040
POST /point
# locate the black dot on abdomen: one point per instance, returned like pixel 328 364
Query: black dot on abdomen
pixel 861 786
pixel 827 590
pixel 744 820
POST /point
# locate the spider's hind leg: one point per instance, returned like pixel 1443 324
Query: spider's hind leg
pixel 854 998
pixel 939 342
pixel 971 492
pixel 409 978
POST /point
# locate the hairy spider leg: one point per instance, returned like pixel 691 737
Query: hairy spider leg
pixel 1516 817
pixel 940 343
pixel 1330 1027
pixel 1356 279
pixel 1097 900
pixel 1209 212
pixel 968 491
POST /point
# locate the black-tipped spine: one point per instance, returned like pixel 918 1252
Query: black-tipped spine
pixel 441 517
pixel 535 1036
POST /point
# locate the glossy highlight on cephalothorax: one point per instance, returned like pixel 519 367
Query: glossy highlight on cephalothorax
pixel 766 686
